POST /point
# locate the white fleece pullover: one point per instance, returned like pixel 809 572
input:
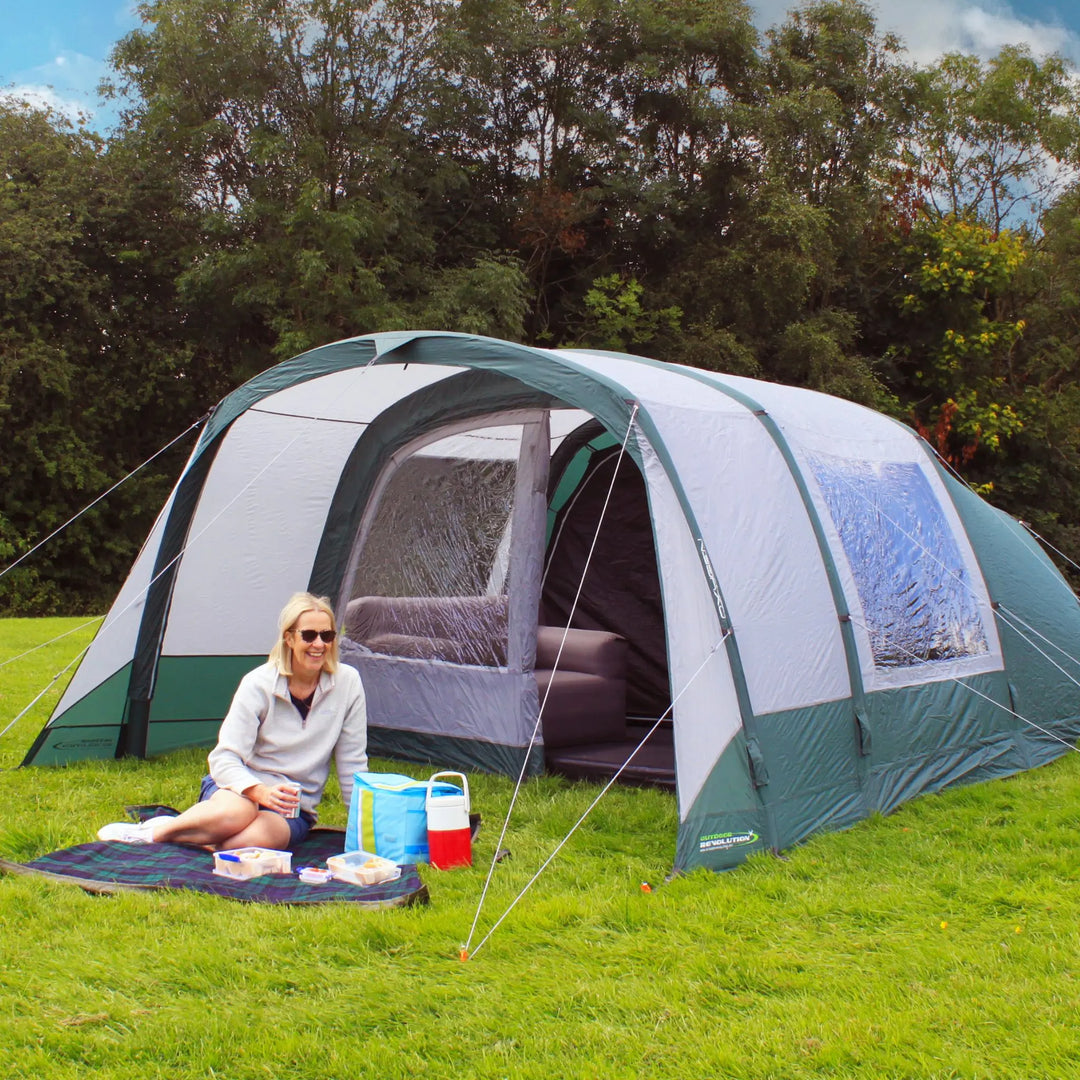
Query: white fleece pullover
pixel 264 741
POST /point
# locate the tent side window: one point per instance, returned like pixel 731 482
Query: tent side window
pixel 431 572
pixel 916 594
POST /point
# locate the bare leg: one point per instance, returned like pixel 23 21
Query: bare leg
pixel 221 817
pixel 269 830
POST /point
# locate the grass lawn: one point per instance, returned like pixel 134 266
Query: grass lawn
pixel 941 941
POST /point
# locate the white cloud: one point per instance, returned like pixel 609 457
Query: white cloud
pixel 67 84
pixel 931 28
pixel 42 97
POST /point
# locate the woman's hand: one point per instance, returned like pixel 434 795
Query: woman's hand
pixel 283 798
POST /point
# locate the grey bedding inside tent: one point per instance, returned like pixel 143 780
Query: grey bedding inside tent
pixel 432 586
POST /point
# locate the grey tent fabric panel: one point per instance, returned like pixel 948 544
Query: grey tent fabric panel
pixel 431 696
pixel 338 356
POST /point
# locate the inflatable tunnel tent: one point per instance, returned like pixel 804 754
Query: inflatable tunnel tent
pixel 824 622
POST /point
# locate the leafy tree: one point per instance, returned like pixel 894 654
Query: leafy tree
pixel 598 129
pixel 962 338
pixel 1039 478
pixel 302 129
pixel 835 100
pixel 618 320
pixel 90 382
pixel 998 138
pixel 788 285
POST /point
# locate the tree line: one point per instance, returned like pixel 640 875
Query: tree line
pixel 805 205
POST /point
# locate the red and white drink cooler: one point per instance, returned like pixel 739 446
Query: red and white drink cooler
pixel 449 837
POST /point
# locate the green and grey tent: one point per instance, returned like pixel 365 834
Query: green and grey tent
pixel 820 622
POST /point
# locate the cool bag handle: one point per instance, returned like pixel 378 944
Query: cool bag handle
pixel 464 785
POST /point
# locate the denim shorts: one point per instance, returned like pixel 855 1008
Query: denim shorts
pixel 299 827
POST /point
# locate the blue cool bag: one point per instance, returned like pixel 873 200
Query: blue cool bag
pixel 387 816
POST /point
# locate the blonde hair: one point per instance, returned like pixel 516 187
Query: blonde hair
pixel 281 653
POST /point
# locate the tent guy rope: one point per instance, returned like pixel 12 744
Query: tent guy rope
pixel 56 532
pixel 465 953
pixel 109 623
pixel 1046 543
pixel 555 667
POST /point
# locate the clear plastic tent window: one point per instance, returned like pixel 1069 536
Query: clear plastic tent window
pixel 430 580
pixel 917 598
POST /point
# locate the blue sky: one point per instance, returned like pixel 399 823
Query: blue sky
pixel 55 51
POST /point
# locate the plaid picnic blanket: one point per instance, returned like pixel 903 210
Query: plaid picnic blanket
pixel 110 866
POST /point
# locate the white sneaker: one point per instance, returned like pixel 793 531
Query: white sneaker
pixel 127 832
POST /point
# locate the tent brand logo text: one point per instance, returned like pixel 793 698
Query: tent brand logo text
pixel 84 744
pixel 723 841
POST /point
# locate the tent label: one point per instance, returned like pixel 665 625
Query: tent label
pixel 724 841
pixel 103 743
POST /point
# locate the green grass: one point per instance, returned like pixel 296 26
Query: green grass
pixel 939 942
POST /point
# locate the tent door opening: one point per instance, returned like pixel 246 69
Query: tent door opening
pixel 440 599
pixel 612 680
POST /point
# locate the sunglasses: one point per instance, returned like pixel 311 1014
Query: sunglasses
pixel 310 635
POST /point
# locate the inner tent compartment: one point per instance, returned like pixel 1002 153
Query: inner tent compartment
pixel 464 570
pixel 600 575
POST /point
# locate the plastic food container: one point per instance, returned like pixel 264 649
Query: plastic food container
pixel 249 862
pixel 362 868
pixel 314 875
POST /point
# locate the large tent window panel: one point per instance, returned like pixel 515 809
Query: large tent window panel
pixel 442 529
pixel 917 599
